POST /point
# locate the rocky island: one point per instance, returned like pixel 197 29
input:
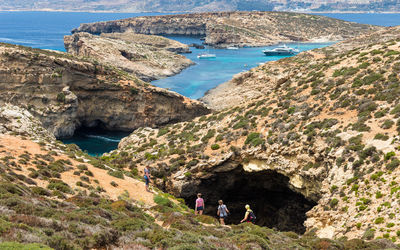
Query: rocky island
pixel 224 29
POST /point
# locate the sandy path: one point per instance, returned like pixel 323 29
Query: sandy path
pixel 15 146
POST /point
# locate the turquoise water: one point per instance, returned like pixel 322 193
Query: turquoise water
pixel 194 81
pixel 96 142
pixel 46 30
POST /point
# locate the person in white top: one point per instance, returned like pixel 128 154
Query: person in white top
pixel 222 212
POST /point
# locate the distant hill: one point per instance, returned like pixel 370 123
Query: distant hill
pixel 203 5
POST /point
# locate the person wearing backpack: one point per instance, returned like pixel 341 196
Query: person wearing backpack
pixel 222 212
pixel 249 215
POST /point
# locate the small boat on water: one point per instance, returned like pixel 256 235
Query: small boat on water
pixel 282 50
pixel 206 56
pixel 232 47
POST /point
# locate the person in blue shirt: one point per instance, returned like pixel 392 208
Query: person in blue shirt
pixel 147 177
pixel 222 212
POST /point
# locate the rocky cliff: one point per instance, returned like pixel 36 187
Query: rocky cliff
pixel 54 196
pixel 66 93
pixel 312 144
pixel 146 57
pixel 237 28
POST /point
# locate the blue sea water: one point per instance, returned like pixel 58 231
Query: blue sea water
pixel 46 30
pixel 194 81
pixel 380 19
pixel 96 142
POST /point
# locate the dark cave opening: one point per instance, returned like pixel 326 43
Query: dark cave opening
pixel 273 202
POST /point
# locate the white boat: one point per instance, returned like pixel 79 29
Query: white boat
pixel 282 50
pixel 206 56
pixel 232 47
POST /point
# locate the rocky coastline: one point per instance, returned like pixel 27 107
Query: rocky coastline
pixel 223 29
pixel 146 57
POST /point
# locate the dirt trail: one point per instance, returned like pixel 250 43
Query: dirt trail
pixel 15 146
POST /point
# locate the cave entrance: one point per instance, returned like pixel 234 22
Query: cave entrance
pixel 273 202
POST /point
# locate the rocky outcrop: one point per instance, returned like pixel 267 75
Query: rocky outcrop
pixel 64 93
pixel 237 28
pixel 323 125
pixel 16 120
pixel 146 57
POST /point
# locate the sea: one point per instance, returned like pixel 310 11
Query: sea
pixel 45 30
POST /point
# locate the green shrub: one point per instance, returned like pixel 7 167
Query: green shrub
pixel 150 156
pixel 379 220
pixel 59 186
pixel 391 53
pixel 381 137
pixel 333 203
pixel 387 124
pixel 129 224
pixel 117 174
pixel 163 201
pixel 210 134
pixel 215 147
pixel 254 139
pixel 40 191
pixel 162 131
pixel 393 164
pixel 59 242
pixel 389 155
pixel 291 110
pixel 369 234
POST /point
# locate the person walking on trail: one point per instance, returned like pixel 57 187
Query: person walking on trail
pixel 147 177
pixel 249 215
pixel 222 212
pixel 199 208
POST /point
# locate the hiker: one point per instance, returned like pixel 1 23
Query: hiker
pixel 222 212
pixel 249 215
pixel 199 205
pixel 147 177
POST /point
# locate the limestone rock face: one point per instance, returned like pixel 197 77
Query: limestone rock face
pixel 147 57
pixel 223 29
pixel 16 120
pixel 323 124
pixel 64 93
